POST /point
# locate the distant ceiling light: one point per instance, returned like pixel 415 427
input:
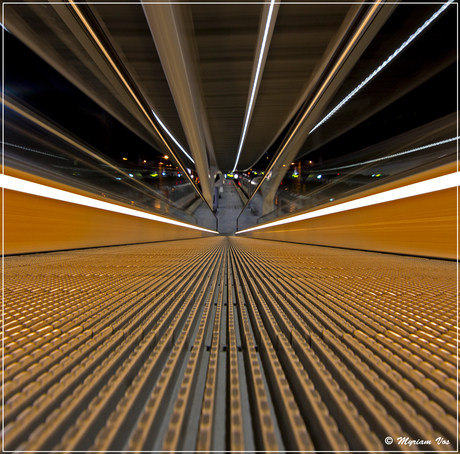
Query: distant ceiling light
pixel 145 161
pixel 28 187
pixel 292 163
pixel 448 181
pixel 385 63
pixel 125 159
pixel 166 156
pixel 256 82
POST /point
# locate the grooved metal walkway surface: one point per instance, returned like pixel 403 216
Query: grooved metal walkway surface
pixel 229 344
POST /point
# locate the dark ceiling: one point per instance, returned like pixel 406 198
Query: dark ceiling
pixel 222 39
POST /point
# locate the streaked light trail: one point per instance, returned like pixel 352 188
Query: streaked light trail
pixel 172 137
pixel 385 63
pixel 34 151
pixel 452 139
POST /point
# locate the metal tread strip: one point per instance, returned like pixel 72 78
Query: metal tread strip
pixel 157 364
pixel 263 424
pixel 288 408
pixel 49 436
pixel 208 412
pixel 355 429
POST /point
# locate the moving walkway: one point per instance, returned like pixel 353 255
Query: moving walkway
pixel 229 343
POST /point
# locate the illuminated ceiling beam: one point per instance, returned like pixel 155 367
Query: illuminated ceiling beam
pixel 171 32
pixel 98 56
pixel 307 118
pixel 363 32
pixel 352 16
pixel 268 20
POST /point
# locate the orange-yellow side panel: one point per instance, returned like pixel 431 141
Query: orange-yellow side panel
pixel 424 225
pixel 33 224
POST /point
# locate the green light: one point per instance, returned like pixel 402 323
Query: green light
pixel 378 175
pixel 154 174
pixel 230 175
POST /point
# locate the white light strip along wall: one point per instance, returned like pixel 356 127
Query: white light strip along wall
pixel 255 84
pixel 28 187
pixel 385 63
pixel 393 155
pixel 423 187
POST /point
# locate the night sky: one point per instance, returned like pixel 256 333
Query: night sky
pixel 419 107
pixel 32 80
